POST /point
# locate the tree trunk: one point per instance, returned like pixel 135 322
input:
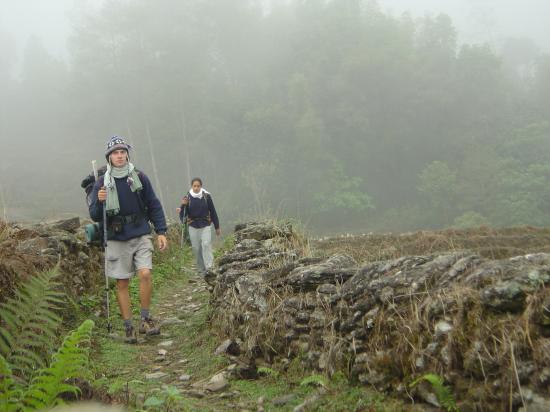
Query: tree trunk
pixel 154 163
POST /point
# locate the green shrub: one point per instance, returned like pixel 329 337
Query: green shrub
pixel 443 393
pixel 470 219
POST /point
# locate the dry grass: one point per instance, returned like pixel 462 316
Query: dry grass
pixel 483 348
pixel 4 231
pixel 483 356
pixel 263 334
pixel 490 243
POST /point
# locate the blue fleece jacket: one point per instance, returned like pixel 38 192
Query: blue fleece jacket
pixel 198 210
pixel 130 205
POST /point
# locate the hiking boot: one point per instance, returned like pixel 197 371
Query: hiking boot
pixel 149 327
pixel 131 336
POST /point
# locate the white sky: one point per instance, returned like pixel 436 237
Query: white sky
pixel 476 20
pixel 49 20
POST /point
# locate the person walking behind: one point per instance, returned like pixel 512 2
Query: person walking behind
pixel 130 204
pixel 200 215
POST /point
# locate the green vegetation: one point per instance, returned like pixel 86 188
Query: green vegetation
pixel 29 323
pixel 342 396
pixel 374 122
pixel 119 367
pixel 31 378
pixel 314 380
pixel 266 371
pixel 113 359
pixel 443 393
pixel 338 393
pixel 228 243
pixel 48 383
pixel 167 400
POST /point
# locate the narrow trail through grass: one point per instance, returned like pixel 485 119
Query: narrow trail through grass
pixel 131 374
pixel 165 373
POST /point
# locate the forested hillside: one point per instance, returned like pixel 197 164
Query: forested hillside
pixel 331 112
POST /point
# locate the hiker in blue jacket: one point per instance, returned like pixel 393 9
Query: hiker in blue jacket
pixel 200 215
pixel 131 204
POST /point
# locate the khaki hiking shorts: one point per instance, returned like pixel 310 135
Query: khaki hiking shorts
pixel 125 257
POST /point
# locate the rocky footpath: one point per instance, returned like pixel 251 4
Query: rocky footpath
pixel 26 249
pixel 482 324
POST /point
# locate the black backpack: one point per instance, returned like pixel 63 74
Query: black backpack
pixel 92 231
pixel 88 183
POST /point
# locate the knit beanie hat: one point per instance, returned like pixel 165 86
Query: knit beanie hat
pixel 116 143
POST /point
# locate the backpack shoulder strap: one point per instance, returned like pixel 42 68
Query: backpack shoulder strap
pixel 140 196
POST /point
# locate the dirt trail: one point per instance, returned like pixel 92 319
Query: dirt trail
pixel 174 368
pixel 163 354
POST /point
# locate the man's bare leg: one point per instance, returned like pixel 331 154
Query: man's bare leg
pixel 147 324
pixel 145 288
pixel 123 297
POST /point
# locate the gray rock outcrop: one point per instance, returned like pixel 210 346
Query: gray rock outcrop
pixel 482 324
pixel 28 249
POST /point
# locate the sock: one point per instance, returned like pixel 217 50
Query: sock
pixel 128 323
pixel 144 313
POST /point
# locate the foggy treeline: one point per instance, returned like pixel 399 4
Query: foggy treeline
pixel 332 112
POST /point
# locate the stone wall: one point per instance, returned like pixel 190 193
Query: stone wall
pixel 28 249
pixel 482 324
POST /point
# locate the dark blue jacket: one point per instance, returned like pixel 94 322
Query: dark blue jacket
pixel 198 210
pixel 130 205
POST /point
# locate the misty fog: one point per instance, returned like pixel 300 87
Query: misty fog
pixel 348 115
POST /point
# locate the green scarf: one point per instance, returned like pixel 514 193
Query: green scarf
pixel 112 204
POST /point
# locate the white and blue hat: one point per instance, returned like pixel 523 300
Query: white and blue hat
pixel 116 143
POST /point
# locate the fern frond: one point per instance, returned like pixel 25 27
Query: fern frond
pixel 6 341
pixel 43 337
pixel 316 380
pixel 69 362
pixel 22 357
pixel 48 318
pixel 8 315
pixel 443 393
pixel 29 322
pixel 264 370
pixel 10 392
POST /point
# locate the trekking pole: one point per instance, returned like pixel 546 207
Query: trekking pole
pixel 182 234
pixel 109 327
pixel 183 225
pixel 183 221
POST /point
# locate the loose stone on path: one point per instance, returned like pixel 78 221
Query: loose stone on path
pixel 194 393
pixel 185 378
pixel 155 375
pixel 217 383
